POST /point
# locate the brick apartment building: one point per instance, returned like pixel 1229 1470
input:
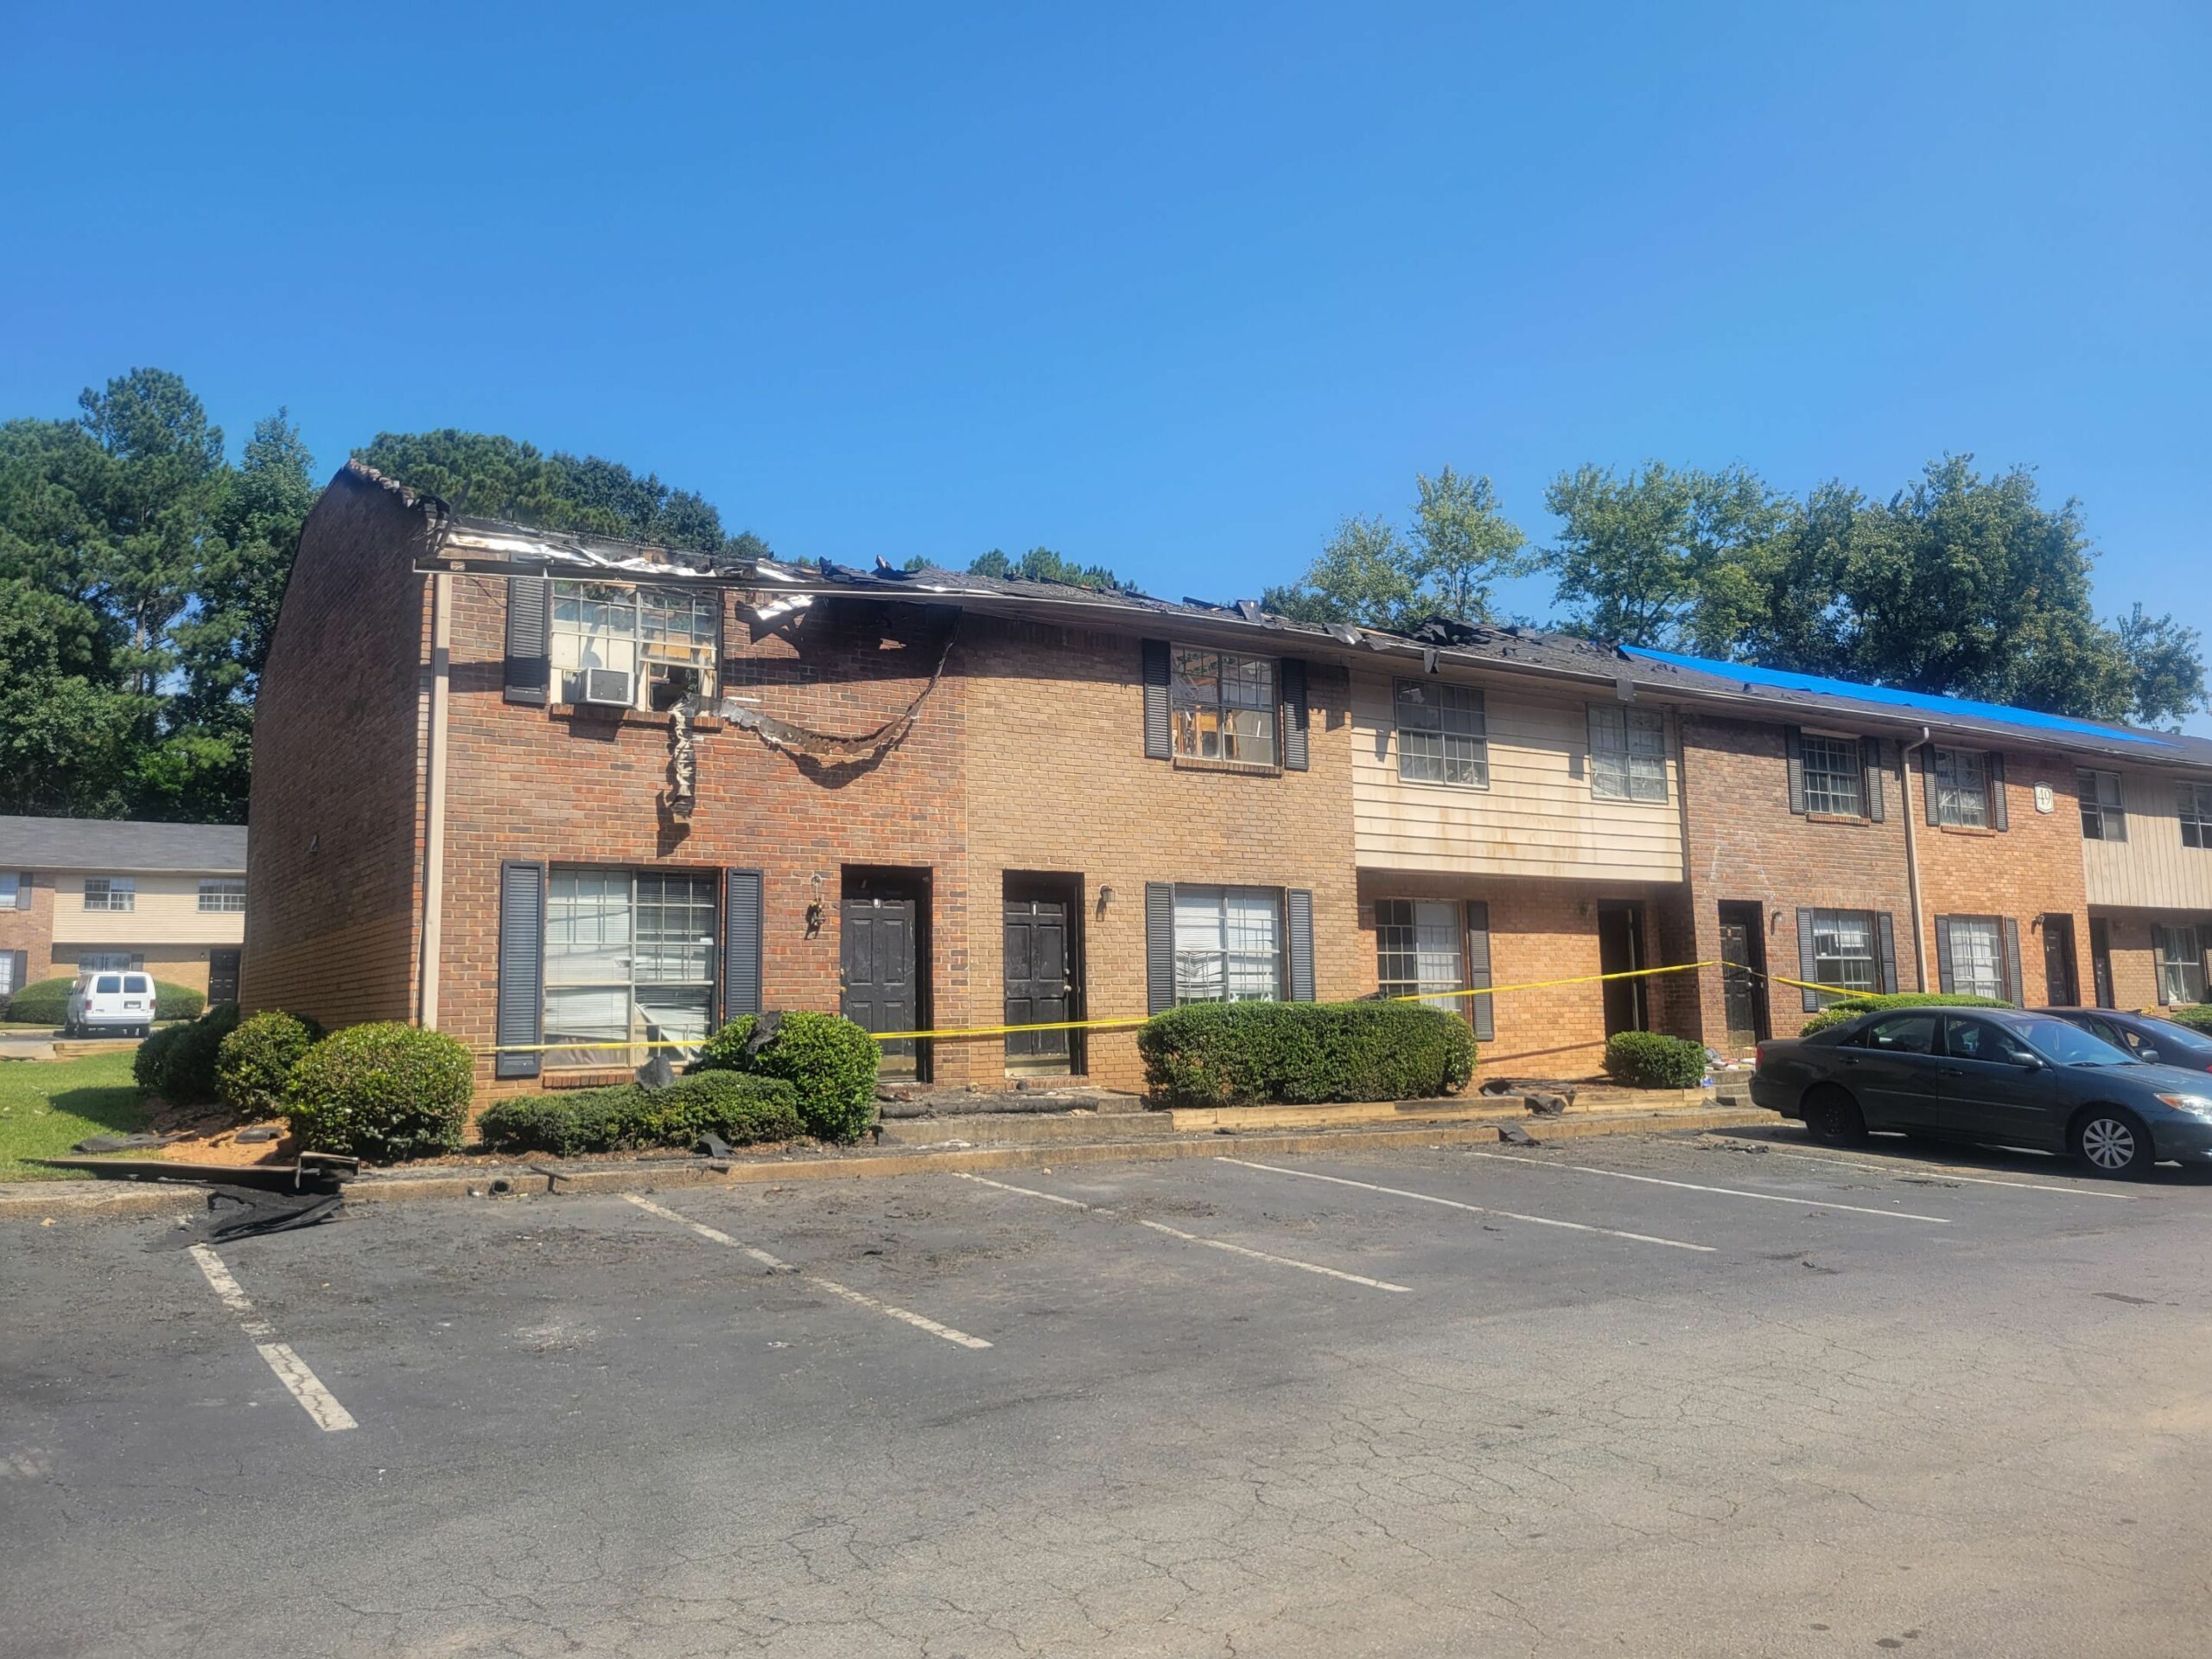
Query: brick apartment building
pixel 560 795
pixel 82 894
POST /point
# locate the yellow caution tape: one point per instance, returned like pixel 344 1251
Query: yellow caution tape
pixel 1126 1021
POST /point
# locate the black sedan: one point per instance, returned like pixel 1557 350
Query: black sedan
pixel 2146 1036
pixel 1989 1076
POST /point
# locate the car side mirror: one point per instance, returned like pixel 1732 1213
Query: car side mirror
pixel 2148 1055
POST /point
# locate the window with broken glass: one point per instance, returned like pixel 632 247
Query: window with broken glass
pixel 1419 950
pixel 1963 788
pixel 1843 952
pixel 1228 945
pixel 1835 777
pixel 2181 963
pixel 1977 958
pixel 1224 708
pixel 665 640
pixel 1628 753
pixel 1441 735
pixel 629 958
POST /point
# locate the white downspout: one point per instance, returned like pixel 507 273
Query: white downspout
pixel 434 828
pixel 1912 864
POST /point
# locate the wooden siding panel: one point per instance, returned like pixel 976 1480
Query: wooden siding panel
pixel 2150 870
pixel 166 912
pixel 1537 818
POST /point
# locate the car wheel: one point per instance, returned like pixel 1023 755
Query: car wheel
pixel 2110 1141
pixel 1833 1118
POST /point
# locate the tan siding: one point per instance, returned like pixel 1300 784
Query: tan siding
pixel 166 912
pixel 2150 870
pixel 1537 817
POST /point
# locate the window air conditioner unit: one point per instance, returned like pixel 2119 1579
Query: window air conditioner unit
pixel 609 686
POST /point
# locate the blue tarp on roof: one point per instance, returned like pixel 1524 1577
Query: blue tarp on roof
pixel 1919 701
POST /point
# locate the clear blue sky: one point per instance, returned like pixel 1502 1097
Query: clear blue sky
pixel 1169 289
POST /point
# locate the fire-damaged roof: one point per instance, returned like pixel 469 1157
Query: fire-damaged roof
pixel 782 588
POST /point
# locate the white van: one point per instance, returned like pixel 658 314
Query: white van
pixel 119 1003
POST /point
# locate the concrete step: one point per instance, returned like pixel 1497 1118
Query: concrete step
pixel 1458 1110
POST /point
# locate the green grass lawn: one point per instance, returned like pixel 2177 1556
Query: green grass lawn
pixel 48 1106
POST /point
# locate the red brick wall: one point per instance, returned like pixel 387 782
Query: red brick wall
pixel 2030 869
pixel 334 859
pixel 31 931
pixel 1745 846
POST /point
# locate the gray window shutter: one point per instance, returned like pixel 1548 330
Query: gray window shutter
pixel 1484 1017
pixel 1159 946
pixel 522 968
pixel 2015 992
pixel 529 669
pixel 743 895
pixel 1793 751
pixel 1870 754
pixel 1997 791
pixel 1943 954
pixel 1928 781
pixel 1885 934
pixel 1300 905
pixel 1808 966
pixel 24 891
pixel 1158 745
pixel 1294 715
pixel 22 973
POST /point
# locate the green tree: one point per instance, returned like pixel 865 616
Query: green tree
pixel 497 477
pixel 2165 663
pixel 1676 560
pixel 1446 563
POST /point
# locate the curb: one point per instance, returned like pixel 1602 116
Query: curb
pixel 44 1199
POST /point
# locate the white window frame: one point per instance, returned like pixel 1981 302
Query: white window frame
pixel 1963 788
pixel 2104 805
pixel 108 889
pixel 652 634
pixel 1236 720
pixel 2178 954
pixel 1420 949
pixel 1443 733
pixel 228 893
pixel 1837 964
pixel 1221 959
pixel 1967 929
pixel 1628 753
pixel 575 972
pixel 2193 806
pixel 109 962
pixel 1823 797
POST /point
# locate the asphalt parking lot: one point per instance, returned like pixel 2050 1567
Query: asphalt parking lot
pixel 1670 1396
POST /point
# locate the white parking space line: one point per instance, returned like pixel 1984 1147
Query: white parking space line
pixel 1471 1209
pixel 859 1298
pixel 291 1370
pixel 1726 1191
pixel 1194 1239
pixel 1902 1170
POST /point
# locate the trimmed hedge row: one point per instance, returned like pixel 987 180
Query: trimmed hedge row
pixel 178 1062
pixel 46 1002
pixel 385 1092
pixel 253 1067
pixel 743 1109
pixel 2197 1017
pixel 1851 1007
pixel 1647 1060
pixel 1304 1053
pixel 828 1060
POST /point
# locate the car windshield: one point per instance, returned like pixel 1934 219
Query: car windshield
pixel 2065 1043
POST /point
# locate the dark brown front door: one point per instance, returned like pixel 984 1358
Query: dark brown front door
pixel 877 953
pixel 1620 950
pixel 1742 956
pixel 2100 960
pixel 1038 964
pixel 2061 981
pixel 222 976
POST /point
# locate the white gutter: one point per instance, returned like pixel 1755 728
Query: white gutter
pixel 1912 863
pixel 433 826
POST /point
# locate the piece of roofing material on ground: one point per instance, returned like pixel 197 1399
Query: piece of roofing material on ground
pixel 121 846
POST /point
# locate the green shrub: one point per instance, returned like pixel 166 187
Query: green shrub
pixel 1850 1007
pixel 1303 1054
pixel 829 1060
pixel 46 1002
pixel 253 1063
pixel 383 1093
pixel 743 1109
pixel 1645 1059
pixel 178 1063
pixel 2197 1016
